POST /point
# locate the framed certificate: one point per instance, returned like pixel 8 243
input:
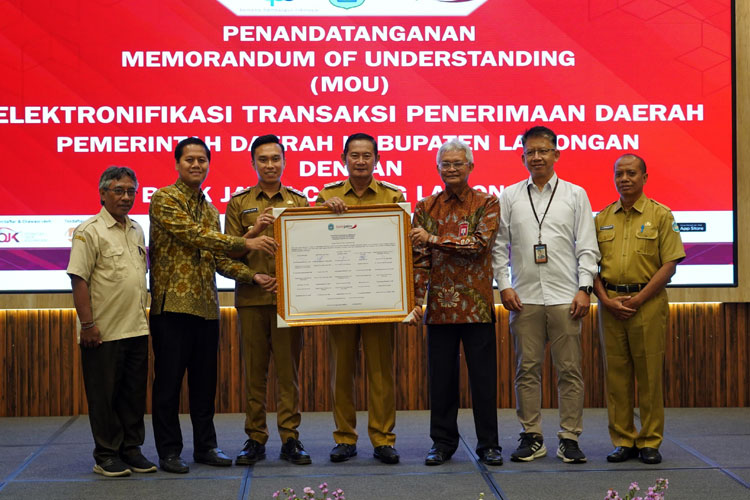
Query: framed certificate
pixel 354 267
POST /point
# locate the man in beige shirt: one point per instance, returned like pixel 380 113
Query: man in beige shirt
pixel 107 270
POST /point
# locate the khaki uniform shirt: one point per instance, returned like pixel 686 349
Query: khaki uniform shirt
pixel 112 261
pixel 242 212
pixel 634 244
pixel 377 192
pixel 186 249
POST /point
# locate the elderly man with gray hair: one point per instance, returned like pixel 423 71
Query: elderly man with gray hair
pixel 107 271
pixel 452 236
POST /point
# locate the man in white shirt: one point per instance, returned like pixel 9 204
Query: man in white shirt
pixel 547 236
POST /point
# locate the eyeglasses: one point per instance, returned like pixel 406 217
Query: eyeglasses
pixel 533 152
pixel 118 191
pixel 456 165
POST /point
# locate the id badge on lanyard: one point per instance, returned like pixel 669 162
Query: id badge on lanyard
pixel 540 249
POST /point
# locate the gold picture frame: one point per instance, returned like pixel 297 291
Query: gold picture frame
pixel 354 267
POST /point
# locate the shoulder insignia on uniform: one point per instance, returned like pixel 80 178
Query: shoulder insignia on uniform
pixel 88 222
pixel 675 227
pixel 659 204
pixel 334 184
pixel 242 191
pixel 611 204
pixel 295 191
pixel 79 237
pixel 389 185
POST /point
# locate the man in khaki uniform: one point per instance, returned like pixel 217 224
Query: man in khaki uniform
pixel 250 211
pixel 640 246
pixel 107 271
pixel 360 157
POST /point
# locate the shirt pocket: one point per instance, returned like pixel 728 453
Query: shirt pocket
pixel 606 240
pixel 114 267
pixel 646 241
pixel 247 219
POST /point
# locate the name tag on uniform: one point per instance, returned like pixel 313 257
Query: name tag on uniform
pixel 604 228
pixel 250 210
pixel 540 253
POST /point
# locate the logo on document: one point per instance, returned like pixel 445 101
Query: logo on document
pixel 346 4
pixel 274 2
pixel 330 227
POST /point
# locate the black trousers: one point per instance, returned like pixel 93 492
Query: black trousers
pixel 115 375
pixel 443 348
pixel 183 342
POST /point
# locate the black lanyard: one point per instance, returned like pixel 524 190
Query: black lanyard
pixel 528 191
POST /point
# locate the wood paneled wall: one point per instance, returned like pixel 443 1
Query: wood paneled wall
pixel 708 363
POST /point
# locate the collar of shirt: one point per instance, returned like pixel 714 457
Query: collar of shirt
pixel 110 221
pixel 461 195
pixel 257 192
pixel 550 183
pixel 372 186
pixel 189 192
pixel 639 205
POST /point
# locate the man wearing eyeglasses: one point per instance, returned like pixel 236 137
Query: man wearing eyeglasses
pixel 547 236
pixel 360 157
pixel 641 247
pixel 452 240
pixel 107 271
pixel 186 250
pixel 250 209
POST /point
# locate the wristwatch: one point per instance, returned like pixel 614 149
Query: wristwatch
pixel 587 289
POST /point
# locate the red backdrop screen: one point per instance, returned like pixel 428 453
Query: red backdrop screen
pixel 92 84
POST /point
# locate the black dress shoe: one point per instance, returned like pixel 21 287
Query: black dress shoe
pixel 214 457
pixel 174 464
pixel 251 453
pixel 650 456
pixel 343 452
pixel 436 457
pixel 491 456
pixel 386 454
pixel 622 453
pixel 293 451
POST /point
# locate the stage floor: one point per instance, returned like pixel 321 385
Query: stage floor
pixel 706 456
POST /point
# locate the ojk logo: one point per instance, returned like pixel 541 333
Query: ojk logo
pixel 273 2
pixel 347 4
pixel 7 235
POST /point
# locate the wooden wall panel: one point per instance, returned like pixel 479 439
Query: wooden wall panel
pixel 707 364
